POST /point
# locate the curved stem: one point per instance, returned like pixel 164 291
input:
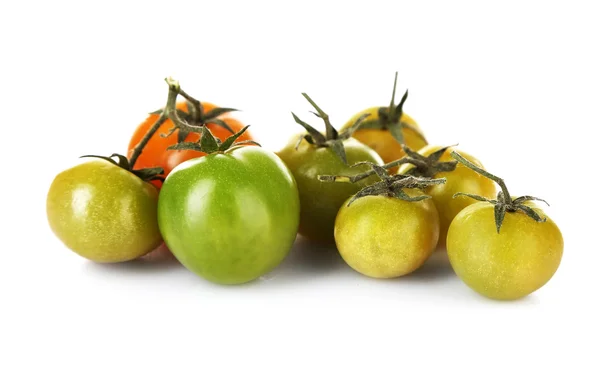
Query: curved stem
pixel 174 90
pixel 361 176
pixel 498 180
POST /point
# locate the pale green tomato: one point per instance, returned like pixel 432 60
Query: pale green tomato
pixel 507 265
pixel 103 212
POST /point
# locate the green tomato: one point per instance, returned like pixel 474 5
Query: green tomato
pixel 507 265
pixel 230 217
pixel 320 201
pixel 385 237
pixel 103 212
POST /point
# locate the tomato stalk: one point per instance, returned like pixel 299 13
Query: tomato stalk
pixel 146 174
pixel 389 118
pixel 424 166
pixel 174 90
pixel 389 185
pixel 503 202
pixel 332 138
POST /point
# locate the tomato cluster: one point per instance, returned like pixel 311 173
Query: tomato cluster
pixel 229 210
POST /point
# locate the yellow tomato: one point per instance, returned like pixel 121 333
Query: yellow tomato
pixel 462 179
pixel 508 265
pixel 384 237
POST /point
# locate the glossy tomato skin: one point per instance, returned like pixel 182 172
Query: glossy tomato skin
pixel 320 201
pixel 507 265
pixel 230 217
pixel 381 141
pixel 155 153
pixel 462 179
pixel 385 237
pixel 103 213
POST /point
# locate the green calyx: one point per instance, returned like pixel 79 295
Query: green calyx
pixel 390 118
pixel 147 174
pixel 208 143
pixel 503 202
pixel 389 185
pixel 332 138
pixel 428 166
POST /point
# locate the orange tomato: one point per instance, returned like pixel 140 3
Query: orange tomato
pixel 156 154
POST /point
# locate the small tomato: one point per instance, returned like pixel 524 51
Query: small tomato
pixel 504 248
pixel 103 212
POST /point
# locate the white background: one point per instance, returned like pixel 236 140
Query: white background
pixel 517 84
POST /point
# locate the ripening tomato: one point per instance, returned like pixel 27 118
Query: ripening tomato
pixel 103 212
pixel 320 201
pixel 461 179
pixel 504 265
pixel 231 216
pixel 386 128
pixel 387 237
pixel 155 153
pixel 382 141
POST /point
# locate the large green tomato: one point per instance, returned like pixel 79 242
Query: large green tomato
pixel 507 265
pixel 385 237
pixel 103 212
pixel 320 201
pixel 230 217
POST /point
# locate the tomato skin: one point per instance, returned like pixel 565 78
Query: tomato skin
pixel 230 217
pixel 103 213
pixel 320 201
pixel 155 154
pixel 385 237
pixel 382 141
pixel 507 265
pixel 462 179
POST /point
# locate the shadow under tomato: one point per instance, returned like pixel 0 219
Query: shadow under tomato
pixel 158 260
pixel 437 267
pixel 307 260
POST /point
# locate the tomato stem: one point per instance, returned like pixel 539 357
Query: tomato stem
pixel 393 101
pixel 390 118
pixel 389 185
pixel 472 166
pixel 503 202
pixel 174 90
pixel 197 107
pixel 332 138
pixel 368 173
pixel 330 132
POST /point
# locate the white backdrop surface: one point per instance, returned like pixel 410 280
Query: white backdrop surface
pixel 515 83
